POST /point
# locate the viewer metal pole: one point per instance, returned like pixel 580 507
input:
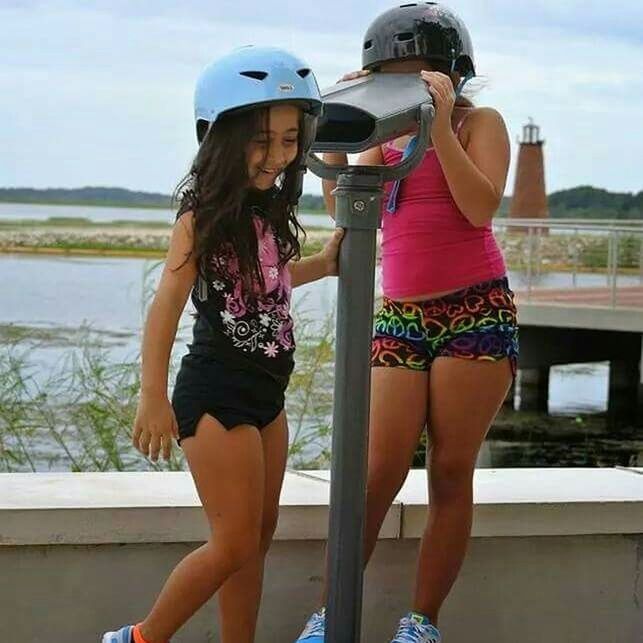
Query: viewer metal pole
pixel 358 197
pixel 358 203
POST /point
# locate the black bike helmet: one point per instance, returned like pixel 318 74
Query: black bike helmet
pixel 419 30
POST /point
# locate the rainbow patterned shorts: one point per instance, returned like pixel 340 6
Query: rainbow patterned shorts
pixel 478 322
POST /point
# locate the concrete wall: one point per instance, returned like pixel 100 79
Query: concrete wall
pixel 556 557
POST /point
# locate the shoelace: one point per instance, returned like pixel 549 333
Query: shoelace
pixel 316 625
pixel 412 632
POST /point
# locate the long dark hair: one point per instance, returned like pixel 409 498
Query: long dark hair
pixel 217 190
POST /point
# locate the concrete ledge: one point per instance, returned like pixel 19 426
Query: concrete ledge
pixel 119 508
pixel 540 502
pixel 580 316
pixel 104 508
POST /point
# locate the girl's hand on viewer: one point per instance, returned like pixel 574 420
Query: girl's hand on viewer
pixel 353 75
pixel 441 90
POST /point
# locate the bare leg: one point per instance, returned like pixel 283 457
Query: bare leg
pixel 464 399
pixel 228 470
pixel 240 595
pixel 397 417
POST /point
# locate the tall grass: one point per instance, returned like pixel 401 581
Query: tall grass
pixel 79 415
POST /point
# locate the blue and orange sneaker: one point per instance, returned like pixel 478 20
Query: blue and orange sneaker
pixel 315 629
pixel 124 635
pixel 416 628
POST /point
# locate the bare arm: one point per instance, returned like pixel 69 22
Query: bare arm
pixel 369 157
pixel 306 270
pixel 321 264
pixel 166 308
pixel 477 173
pixel 155 424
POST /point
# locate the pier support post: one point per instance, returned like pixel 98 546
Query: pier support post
pixel 623 392
pixel 639 402
pixel 509 402
pixel 534 389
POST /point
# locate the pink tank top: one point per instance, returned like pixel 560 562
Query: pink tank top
pixel 428 245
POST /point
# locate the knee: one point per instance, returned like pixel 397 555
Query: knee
pixel 234 550
pixel 383 481
pixel 382 484
pixel 451 477
pixel 268 528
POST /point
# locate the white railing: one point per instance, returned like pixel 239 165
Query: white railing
pixel 557 259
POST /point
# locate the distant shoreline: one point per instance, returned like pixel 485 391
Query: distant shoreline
pixel 115 197
pixel 581 202
pixel 112 204
pixel 69 236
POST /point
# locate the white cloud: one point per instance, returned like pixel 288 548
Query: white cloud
pixel 102 94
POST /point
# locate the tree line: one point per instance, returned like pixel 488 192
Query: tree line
pixel 580 202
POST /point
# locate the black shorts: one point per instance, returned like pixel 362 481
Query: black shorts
pixel 232 395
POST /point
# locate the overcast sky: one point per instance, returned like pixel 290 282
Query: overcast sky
pixel 100 92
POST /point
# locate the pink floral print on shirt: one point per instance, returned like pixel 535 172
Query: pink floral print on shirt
pixel 265 325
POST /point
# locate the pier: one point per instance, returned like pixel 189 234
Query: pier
pixel 567 316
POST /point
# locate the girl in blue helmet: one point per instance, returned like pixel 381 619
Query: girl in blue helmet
pixel 236 248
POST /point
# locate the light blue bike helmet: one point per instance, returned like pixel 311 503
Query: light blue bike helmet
pixel 251 76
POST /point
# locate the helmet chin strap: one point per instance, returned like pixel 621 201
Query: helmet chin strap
pixel 299 183
pixel 463 81
pixel 308 136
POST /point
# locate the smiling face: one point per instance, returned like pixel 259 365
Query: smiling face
pixel 274 147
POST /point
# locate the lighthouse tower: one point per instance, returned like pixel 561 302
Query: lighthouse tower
pixel 530 198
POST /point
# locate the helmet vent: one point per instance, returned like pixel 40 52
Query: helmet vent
pixel 368 44
pixel 303 72
pixel 403 37
pixel 257 75
pixel 412 4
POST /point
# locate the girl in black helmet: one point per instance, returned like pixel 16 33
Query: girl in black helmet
pixel 445 345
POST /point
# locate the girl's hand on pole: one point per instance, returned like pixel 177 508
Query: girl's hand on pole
pixel 330 252
pixel 441 89
pixel 155 427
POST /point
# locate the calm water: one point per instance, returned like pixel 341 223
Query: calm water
pixel 107 294
pixel 35 212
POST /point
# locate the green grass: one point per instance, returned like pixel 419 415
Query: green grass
pixel 69 235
